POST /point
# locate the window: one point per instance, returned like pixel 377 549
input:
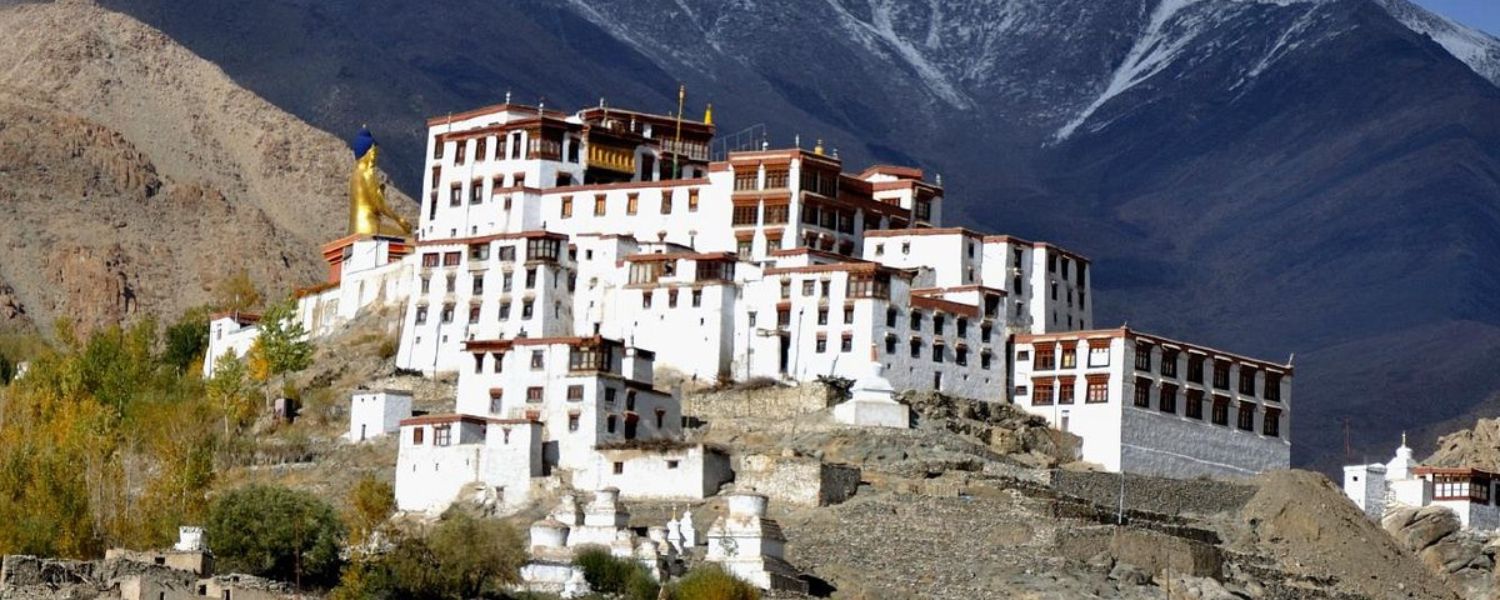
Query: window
pixel 961 355
pixel 848 315
pixel 447 313
pixel 985 332
pixel 745 214
pixel 1247 380
pixel 430 259
pixel 1168 403
pixel 1065 391
pixel 1195 368
pixel 823 316
pixel 916 321
pixel 421 315
pixel 630 400
pixel 1221 374
pixel 473 313
pixel 666 203
pixel 1273 386
pixel 572 422
pixel 963 327
pixel 1168 362
pixel 1194 404
pixel 632 203
pixel 890 344
pixel 1069 357
pixel 823 286
pixel 672 464
pixel 776 214
pixel 1021 390
pixel 507 254
pixel 437 148
pixel 1098 390
pixel 1221 410
pixel 1098 353
pixel 450 259
pixel 1143 392
pixel 479 252
pixel 693 200
pixel 575 393
pixel 879 249
pixel 697 298
pixel 619 466
pixel 937 324
pixel 452 284
pixel 461 148
pixel 538 359
pixel 1041 394
pixel 1143 357
pixel 567 207
pixel 916 348
pixel 455 195
pixel 1022 356
pixel 822 345
pixel 609 396
pixel 1045 359
pixel 476 191
pixel 609 426
pixel 531 278
pixel 526 309
pixel 1247 416
pixel 984 358
pixel 808 287
pixel 672 298
pixel 416 435
pixel 599 205
pixel 478 285
pixel 744 248
pixel 504 310
pixel 938 350
pixel 786 289
pixel 534 394
pixel 442 435
pixel 496 358
pixel 1271 424
pixel 891 315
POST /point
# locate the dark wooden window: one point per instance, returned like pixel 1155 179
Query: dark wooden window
pixel 1143 392
pixel 1221 374
pixel 1221 410
pixel 1271 423
pixel 1247 380
pixel 1168 362
pixel 1143 357
pixel 1194 404
pixel 1098 391
pixel 1273 386
pixel 1168 401
pixel 1247 416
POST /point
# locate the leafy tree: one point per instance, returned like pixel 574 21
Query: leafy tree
pixel 712 582
pixel 276 532
pixel 371 503
pixel 230 391
pixel 236 292
pixel 187 339
pixel 461 557
pixel 282 345
pixel 609 575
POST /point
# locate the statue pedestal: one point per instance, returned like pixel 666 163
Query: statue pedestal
pixel 361 252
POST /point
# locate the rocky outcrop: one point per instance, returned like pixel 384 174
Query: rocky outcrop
pixel 1004 428
pixel 1478 447
pixel 1434 534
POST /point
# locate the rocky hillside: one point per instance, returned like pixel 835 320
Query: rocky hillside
pixel 1477 447
pixel 134 174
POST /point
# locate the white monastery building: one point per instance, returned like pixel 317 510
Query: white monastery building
pixel 560 259
pixel 1151 405
pixel 1472 494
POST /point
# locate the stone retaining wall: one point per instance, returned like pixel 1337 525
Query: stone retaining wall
pixel 798 481
pixel 771 402
pixel 1154 494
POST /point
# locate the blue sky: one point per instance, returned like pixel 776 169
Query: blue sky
pixel 1479 14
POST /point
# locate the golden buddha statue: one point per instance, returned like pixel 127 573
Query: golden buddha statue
pixel 368 213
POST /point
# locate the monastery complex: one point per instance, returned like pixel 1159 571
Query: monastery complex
pixel 560 261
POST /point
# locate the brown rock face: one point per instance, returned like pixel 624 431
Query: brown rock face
pixel 1434 534
pixel 134 174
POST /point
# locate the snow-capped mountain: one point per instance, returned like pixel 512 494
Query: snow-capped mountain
pixel 1270 176
pixel 1479 50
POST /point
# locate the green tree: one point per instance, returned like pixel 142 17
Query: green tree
pixel 712 582
pixel 276 532
pixel 282 345
pixel 229 390
pixel 613 576
pixel 187 339
pixel 458 558
pixel 371 503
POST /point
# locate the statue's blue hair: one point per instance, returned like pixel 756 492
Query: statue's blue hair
pixel 362 143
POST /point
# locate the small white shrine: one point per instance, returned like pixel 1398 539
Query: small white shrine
pixel 750 546
pixel 872 403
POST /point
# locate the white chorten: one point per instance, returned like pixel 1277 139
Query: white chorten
pixel 1400 467
pixel 872 403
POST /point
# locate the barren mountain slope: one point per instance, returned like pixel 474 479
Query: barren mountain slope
pixel 134 173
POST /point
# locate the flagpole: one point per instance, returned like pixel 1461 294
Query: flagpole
pixel 677 149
